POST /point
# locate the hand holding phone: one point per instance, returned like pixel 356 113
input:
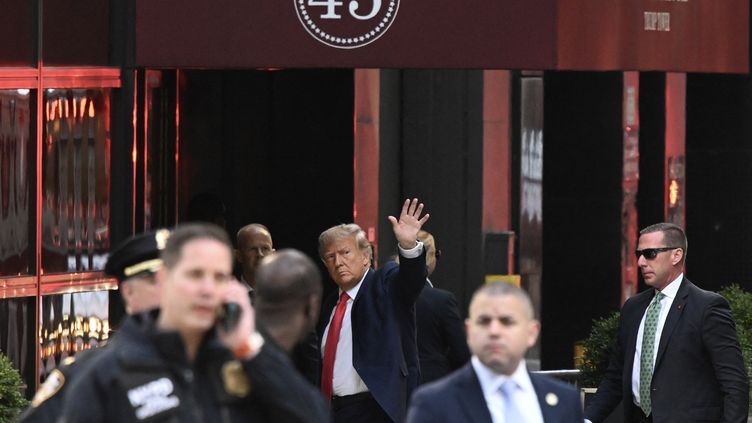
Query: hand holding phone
pixel 228 316
pixel 235 317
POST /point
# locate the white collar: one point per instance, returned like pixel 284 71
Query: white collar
pixel 353 292
pixel 672 288
pixel 490 381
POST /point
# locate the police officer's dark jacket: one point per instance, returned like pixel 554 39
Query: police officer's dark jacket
pixel 48 401
pixel 148 378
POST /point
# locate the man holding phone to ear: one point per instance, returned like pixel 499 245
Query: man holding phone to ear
pixel 176 364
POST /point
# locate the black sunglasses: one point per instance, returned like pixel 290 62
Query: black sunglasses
pixel 651 253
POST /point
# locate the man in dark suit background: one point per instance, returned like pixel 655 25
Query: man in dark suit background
pixel 677 357
pixel 370 362
pixel 441 337
pixel 496 386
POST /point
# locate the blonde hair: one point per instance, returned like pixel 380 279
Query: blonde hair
pixel 342 231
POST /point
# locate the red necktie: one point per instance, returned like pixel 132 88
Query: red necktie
pixel 330 348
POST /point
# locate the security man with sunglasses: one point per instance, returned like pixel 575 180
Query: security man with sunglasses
pixel 677 357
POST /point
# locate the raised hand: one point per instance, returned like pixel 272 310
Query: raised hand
pixel 407 227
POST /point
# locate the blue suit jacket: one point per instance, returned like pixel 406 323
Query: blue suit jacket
pixel 383 325
pixel 459 398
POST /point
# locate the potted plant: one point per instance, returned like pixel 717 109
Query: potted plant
pixel 11 400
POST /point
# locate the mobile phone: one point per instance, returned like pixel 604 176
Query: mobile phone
pixel 228 316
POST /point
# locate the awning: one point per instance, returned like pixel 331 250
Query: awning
pixel 666 35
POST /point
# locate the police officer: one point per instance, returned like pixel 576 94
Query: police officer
pixel 180 363
pixel 133 263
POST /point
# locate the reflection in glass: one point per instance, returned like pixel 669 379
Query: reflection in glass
pixel 16 180
pixel 71 323
pixel 17 321
pixel 76 180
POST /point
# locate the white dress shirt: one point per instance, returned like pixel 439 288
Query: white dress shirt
pixel 524 396
pixel 347 381
pixel 670 293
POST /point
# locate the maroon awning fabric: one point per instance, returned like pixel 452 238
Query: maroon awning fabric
pixel 669 35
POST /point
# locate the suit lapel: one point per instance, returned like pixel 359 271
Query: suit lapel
pixel 471 396
pixel 674 315
pixel 547 399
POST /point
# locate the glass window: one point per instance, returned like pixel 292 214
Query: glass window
pixel 75 180
pixel 16 183
pixel 71 323
pixel 17 334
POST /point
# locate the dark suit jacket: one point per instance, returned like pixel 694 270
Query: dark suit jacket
pixel 383 325
pixel 459 398
pixel 442 347
pixel 699 372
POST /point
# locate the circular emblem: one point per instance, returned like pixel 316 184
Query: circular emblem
pixel 346 23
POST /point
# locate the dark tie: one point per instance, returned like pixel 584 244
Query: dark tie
pixel 330 348
pixel 646 355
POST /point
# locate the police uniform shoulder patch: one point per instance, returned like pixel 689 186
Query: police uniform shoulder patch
pixel 234 379
pixel 49 388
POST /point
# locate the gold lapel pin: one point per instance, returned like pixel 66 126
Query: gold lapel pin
pixel 552 399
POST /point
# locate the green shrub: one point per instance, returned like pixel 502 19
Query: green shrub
pixel 11 400
pixel 741 310
pixel 603 335
pixel 597 349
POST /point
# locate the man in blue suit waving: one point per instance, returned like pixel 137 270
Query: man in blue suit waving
pixel 496 386
pixel 367 330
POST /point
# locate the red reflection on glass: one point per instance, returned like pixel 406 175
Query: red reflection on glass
pixel 15 188
pixel 75 178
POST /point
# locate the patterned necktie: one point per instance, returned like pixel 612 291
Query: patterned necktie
pixel 330 347
pixel 646 355
pixel 511 412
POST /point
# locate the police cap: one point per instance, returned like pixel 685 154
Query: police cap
pixel 137 255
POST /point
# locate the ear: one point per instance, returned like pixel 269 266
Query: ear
pixel 533 332
pixel 126 292
pixel 237 255
pixel 677 256
pixel 313 306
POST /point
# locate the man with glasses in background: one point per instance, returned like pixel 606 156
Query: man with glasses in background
pixel 677 357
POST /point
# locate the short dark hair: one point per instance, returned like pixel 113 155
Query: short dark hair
pixel 673 235
pixel 506 288
pixel 188 232
pixel 287 274
pixel 284 279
